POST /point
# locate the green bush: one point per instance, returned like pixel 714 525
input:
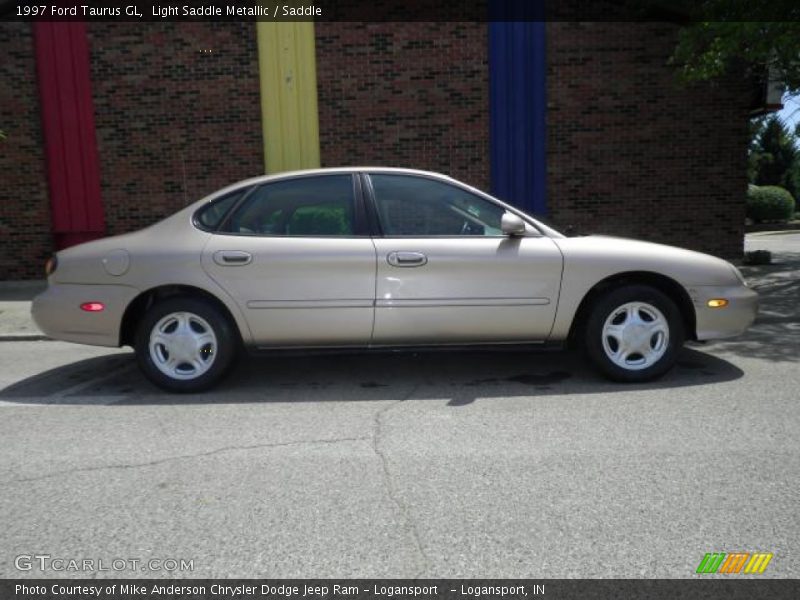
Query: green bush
pixel 769 203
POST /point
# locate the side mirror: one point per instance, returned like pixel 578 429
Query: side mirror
pixel 511 224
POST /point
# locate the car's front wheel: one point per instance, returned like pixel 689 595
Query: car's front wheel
pixel 634 333
pixel 185 344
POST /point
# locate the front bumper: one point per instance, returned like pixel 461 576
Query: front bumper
pixel 728 321
pixel 57 312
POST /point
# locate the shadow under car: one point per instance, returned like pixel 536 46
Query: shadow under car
pixel 461 377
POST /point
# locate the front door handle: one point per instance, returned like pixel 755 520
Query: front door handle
pixel 232 258
pixel 406 259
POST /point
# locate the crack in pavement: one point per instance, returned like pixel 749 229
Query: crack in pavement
pixel 183 457
pixel 391 490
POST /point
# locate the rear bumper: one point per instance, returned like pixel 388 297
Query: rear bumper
pixel 57 312
pixel 728 321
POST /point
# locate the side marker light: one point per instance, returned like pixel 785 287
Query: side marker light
pixel 92 306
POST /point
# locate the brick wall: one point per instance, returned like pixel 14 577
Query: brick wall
pixel 25 239
pixel 174 122
pixel 633 153
pixel 405 95
pixel 629 151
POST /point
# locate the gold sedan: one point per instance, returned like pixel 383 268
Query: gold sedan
pixel 379 258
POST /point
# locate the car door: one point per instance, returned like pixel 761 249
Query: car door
pixel 447 274
pixel 297 258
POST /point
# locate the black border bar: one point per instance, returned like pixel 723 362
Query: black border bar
pixel 711 588
pixel 399 10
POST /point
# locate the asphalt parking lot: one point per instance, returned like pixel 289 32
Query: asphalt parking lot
pixel 508 464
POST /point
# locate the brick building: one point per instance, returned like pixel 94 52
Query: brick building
pixel 583 122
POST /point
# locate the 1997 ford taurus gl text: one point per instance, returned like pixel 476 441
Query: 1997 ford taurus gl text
pixel 379 258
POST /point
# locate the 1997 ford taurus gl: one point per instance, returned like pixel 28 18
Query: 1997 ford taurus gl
pixel 379 258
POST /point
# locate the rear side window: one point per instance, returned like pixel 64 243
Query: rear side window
pixel 210 216
pixel 319 206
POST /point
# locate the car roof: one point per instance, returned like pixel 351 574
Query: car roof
pixel 341 170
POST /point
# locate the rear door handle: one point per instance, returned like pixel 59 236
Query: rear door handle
pixel 406 259
pixel 232 258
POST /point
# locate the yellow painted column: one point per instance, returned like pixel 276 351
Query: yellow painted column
pixel 288 77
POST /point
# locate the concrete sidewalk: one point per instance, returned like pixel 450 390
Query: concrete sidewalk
pixel 15 296
pixel 15 310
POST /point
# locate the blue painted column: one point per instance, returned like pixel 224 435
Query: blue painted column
pixel 518 97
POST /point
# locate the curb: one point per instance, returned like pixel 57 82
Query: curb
pixel 23 337
pixel 771 231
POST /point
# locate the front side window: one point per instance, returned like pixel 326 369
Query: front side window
pixel 418 206
pixel 306 206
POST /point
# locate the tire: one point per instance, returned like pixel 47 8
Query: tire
pixel 634 333
pixel 185 344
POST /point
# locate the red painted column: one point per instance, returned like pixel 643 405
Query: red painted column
pixel 73 170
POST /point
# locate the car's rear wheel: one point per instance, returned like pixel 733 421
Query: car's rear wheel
pixel 634 333
pixel 185 344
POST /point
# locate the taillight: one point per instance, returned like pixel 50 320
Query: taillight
pixel 51 265
pixel 92 306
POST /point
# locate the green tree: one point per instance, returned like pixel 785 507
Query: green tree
pixel 754 153
pixel 774 156
pixel 793 179
pixel 707 50
pixel 722 36
pixel 761 41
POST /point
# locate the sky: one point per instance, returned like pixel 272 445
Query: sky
pixel 790 114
